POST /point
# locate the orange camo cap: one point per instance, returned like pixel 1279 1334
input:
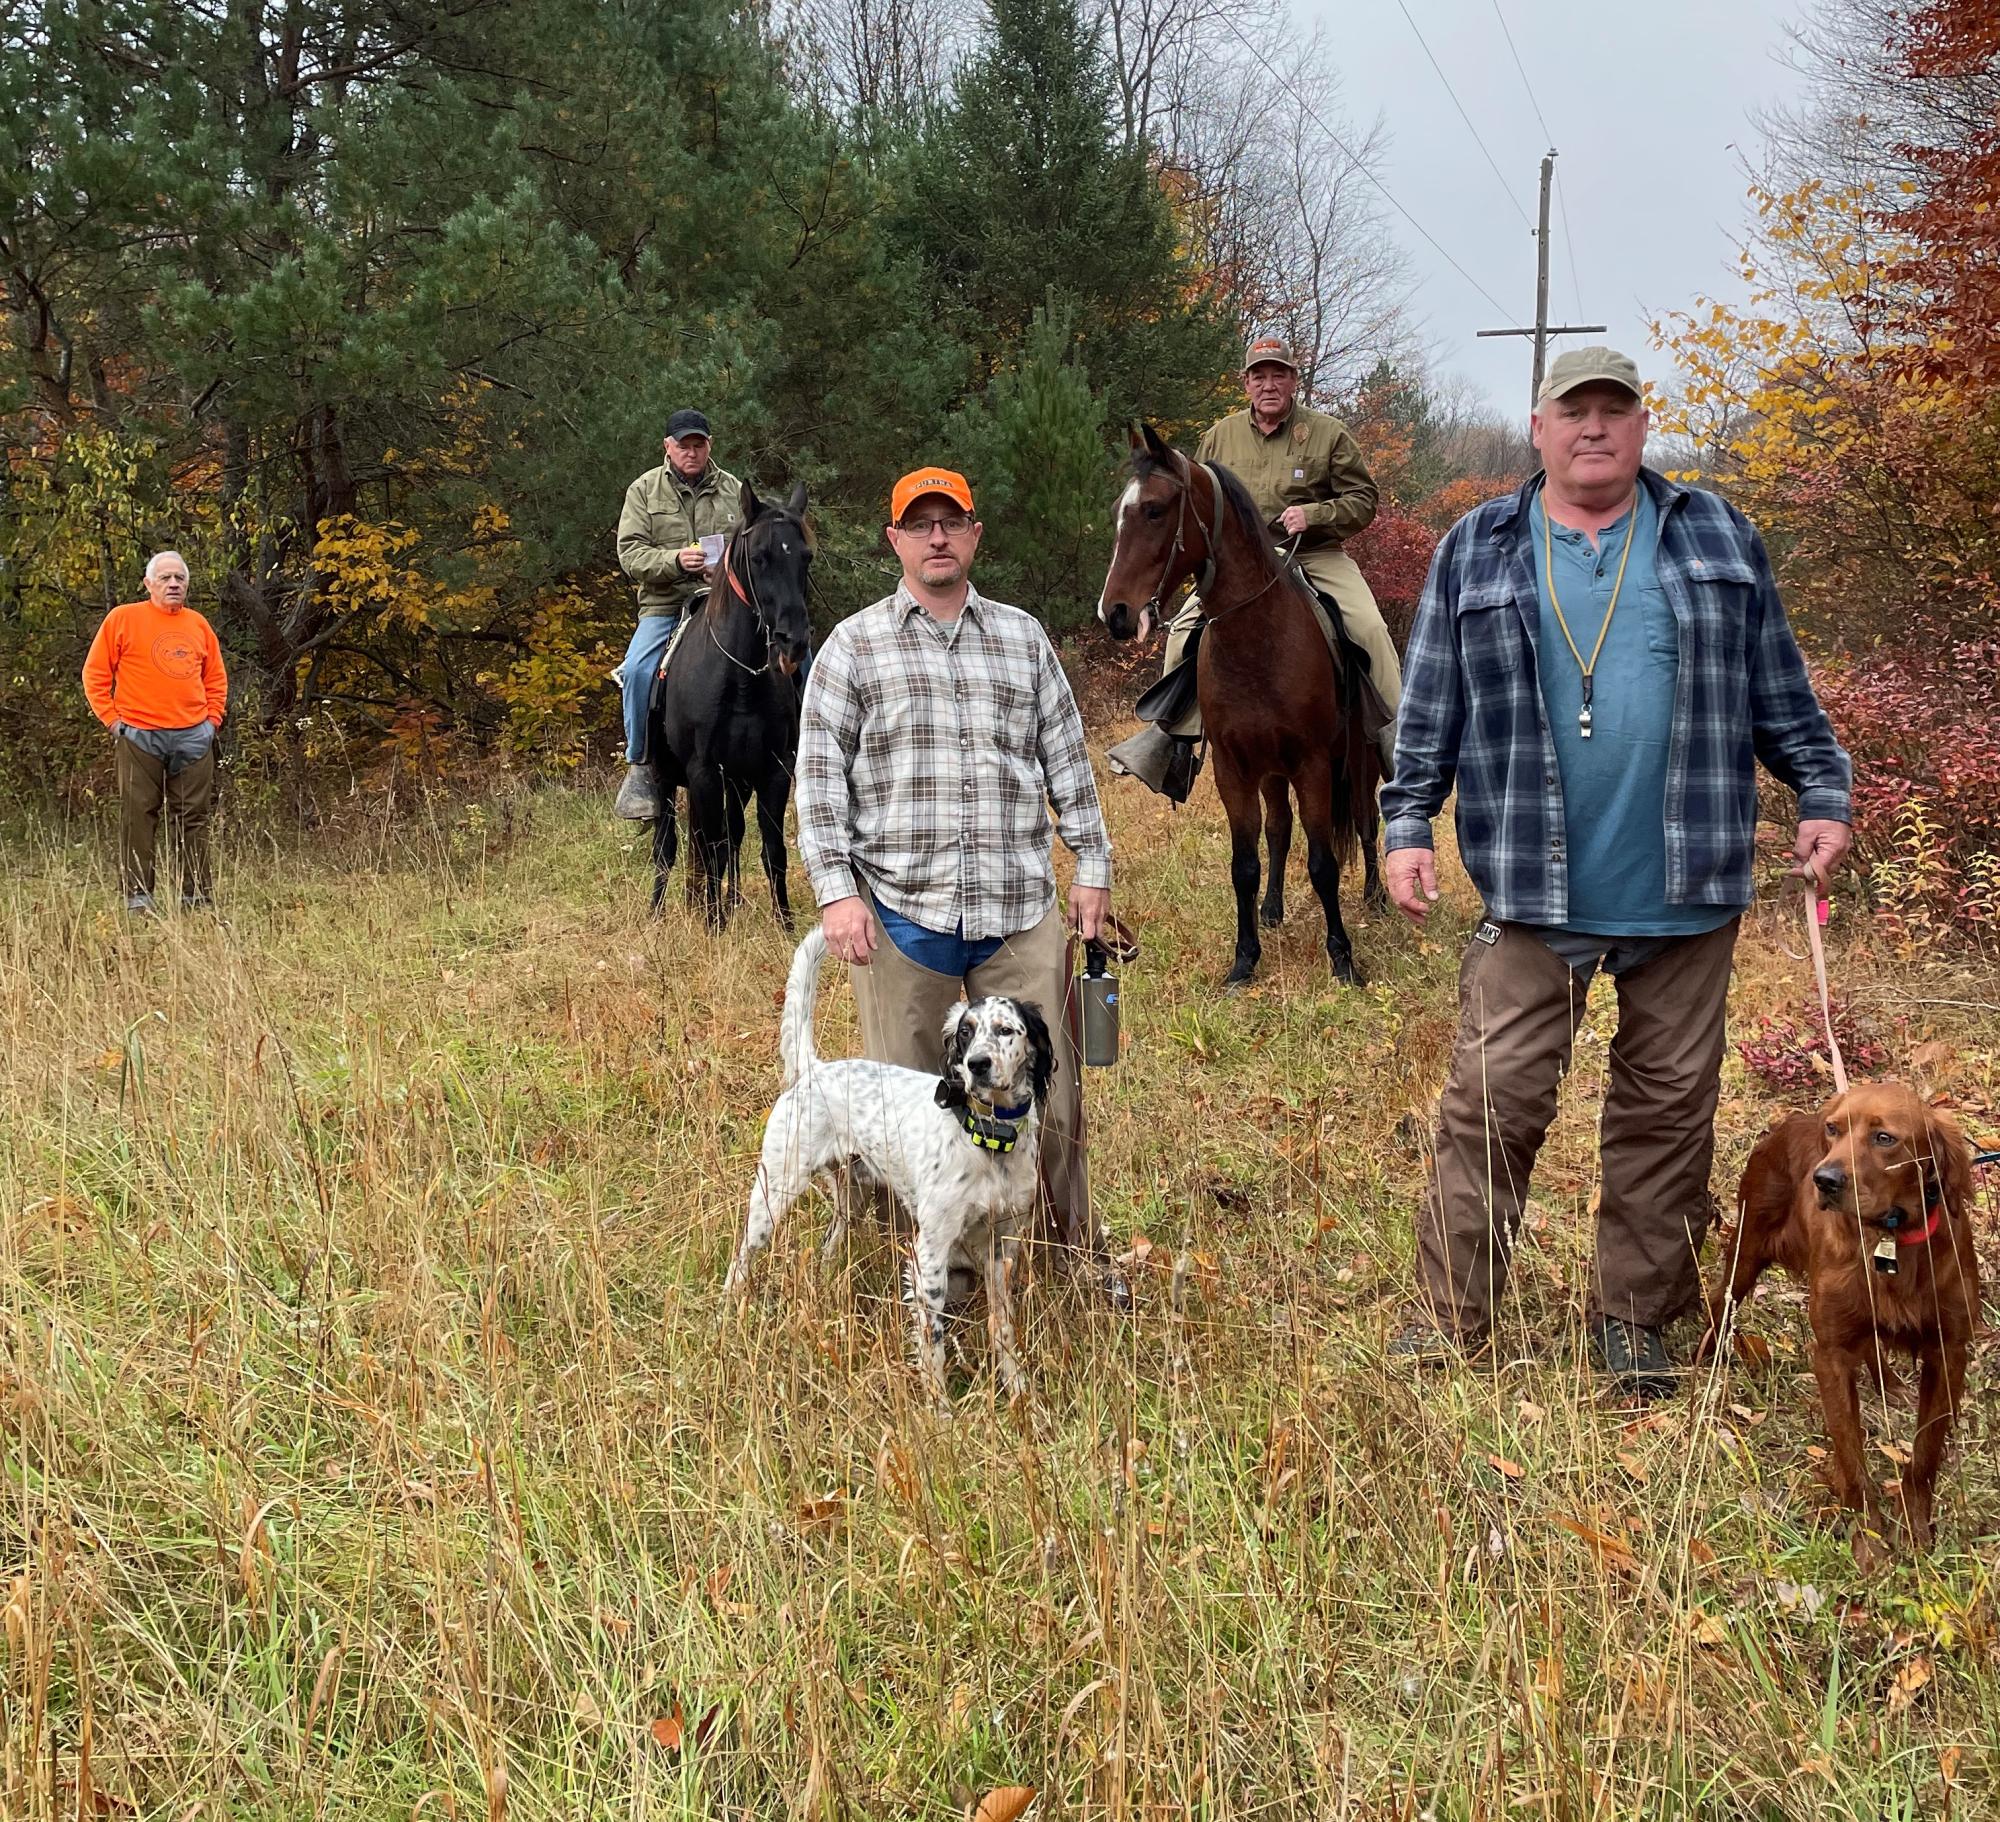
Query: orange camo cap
pixel 920 481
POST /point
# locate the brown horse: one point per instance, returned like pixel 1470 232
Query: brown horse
pixel 1280 711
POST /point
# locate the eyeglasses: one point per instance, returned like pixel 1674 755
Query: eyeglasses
pixel 953 525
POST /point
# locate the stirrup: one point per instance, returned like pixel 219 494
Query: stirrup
pixel 1163 762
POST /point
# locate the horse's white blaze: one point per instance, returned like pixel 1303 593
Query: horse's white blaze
pixel 1126 501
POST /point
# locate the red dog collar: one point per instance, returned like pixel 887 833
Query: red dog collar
pixel 1917 1237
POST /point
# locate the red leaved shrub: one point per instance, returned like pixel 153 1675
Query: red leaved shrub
pixel 1922 722
pixel 1395 556
pixel 1788 1053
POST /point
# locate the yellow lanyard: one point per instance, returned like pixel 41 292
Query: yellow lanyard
pixel 1589 670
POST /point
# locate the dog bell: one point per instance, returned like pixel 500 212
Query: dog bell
pixel 1885 1255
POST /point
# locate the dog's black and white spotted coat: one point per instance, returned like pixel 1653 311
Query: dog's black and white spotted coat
pixel 907 1131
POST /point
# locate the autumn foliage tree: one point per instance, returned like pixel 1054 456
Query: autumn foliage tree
pixel 1850 406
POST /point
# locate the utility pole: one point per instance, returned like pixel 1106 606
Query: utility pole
pixel 1543 328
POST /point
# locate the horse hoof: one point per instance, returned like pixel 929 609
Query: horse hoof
pixel 1271 916
pixel 1239 977
pixel 1346 973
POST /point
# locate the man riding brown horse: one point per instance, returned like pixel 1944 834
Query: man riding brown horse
pixel 1306 475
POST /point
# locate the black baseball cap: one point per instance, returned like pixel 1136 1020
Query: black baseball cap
pixel 687 422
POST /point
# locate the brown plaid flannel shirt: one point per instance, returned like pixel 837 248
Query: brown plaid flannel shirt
pixel 928 759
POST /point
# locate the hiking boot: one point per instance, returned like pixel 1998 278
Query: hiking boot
pixel 141 903
pixel 1163 762
pixel 638 796
pixel 1635 1356
pixel 1421 1343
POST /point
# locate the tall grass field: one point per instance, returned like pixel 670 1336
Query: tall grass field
pixel 375 1439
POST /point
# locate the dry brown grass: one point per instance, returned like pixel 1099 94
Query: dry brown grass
pixel 377 1442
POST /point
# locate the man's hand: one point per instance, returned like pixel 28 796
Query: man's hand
pixel 692 560
pixel 1293 519
pixel 1411 877
pixel 1089 906
pixel 1820 848
pixel 850 931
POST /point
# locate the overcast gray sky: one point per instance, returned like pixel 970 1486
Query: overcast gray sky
pixel 1649 107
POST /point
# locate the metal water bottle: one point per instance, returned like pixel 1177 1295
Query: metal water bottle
pixel 1100 1007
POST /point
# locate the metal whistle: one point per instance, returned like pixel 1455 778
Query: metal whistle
pixel 1583 714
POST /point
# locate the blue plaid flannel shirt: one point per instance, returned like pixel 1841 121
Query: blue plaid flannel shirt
pixel 1472 709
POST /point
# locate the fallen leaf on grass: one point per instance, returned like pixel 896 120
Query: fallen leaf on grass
pixel 668 1729
pixel 1138 1252
pixel 1611 1552
pixel 1511 1470
pixel 1529 1411
pixel 1895 1452
pixel 1753 1350
pixel 1003 1805
pixel 822 1511
pixel 1814 1452
pixel 1706 1630
pixel 1632 1465
pixel 1911 1681
pixel 1702 1552
pixel 1950 1759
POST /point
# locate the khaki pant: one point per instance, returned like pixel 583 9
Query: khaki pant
pixel 1335 573
pixel 902 1007
pixel 1519 1008
pixel 145 789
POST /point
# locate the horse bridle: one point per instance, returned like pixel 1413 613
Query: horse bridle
pixel 748 596
pixel 1204 576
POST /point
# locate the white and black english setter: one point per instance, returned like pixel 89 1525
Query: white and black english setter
pixel 956 1149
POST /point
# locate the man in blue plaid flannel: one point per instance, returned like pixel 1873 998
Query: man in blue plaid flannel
pixel 1598 663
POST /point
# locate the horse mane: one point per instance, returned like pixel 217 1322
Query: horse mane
pixel 1145 464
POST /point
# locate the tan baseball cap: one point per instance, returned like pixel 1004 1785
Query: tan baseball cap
pixel 1580 366
pixel 1269 348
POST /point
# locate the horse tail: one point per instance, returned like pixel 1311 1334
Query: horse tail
pixel 1355 761
pixel 795 1026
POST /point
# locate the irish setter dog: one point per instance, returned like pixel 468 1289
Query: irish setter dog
pixel 1870 1202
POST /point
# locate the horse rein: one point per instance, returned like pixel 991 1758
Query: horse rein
pixel 748 596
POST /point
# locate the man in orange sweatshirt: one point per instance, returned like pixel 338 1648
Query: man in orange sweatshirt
pixel 155 679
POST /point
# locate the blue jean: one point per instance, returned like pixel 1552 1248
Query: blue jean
pixel 941 951
pixel 636 674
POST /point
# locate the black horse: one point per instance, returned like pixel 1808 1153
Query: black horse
pixel 724 724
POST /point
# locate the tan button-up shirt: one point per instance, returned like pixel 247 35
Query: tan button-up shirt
pixel 1310 460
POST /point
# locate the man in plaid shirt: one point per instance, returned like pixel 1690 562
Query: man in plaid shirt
pixel 1598 663
pixel 936 732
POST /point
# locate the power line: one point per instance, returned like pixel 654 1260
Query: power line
pixel 1521 71
pixel 1562 202
pixel 1312 114
pixel 1492 163
pixel 1569 245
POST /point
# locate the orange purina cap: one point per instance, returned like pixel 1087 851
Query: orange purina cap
pixel 920 481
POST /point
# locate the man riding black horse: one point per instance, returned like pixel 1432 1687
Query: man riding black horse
pixel 669 510
pixel 723 719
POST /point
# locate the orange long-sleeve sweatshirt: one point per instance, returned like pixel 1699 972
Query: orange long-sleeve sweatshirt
pixel 152 669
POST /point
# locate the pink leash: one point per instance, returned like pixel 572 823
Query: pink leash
pixel 1817 910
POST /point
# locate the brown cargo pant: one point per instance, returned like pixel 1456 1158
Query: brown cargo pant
pixel 145 789
pixel 902 1007
pixel 1519 1008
